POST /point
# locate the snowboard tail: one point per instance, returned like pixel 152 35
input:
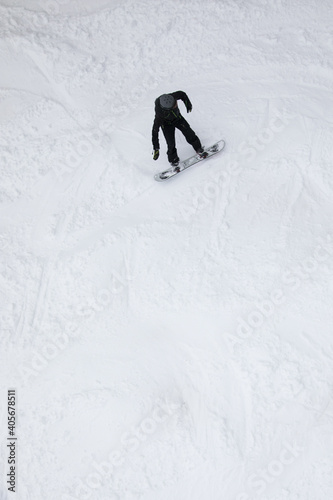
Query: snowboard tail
pixel 183 165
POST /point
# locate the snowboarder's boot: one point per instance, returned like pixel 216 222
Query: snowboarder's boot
pixel 202 153
pixel 175 164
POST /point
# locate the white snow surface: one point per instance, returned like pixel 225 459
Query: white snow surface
pixel 167 341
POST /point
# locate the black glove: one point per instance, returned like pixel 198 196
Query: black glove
pixel 156 154
pixel 188 107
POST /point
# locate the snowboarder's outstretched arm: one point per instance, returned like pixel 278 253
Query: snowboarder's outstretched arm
pixel 184 97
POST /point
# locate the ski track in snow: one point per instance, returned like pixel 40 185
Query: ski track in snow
pixel 167 341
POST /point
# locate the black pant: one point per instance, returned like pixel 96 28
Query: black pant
pixel 169 134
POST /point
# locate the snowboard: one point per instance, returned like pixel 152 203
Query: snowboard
pixel 183 165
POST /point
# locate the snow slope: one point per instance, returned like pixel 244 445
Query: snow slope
pixel 167 341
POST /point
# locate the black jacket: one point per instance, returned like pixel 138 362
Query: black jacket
pixel 167 117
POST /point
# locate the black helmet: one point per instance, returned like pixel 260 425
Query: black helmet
pixel 167 101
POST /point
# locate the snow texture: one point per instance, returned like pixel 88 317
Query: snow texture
pixel 167 341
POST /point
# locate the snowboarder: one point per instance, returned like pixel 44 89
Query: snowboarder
pixel 167 116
